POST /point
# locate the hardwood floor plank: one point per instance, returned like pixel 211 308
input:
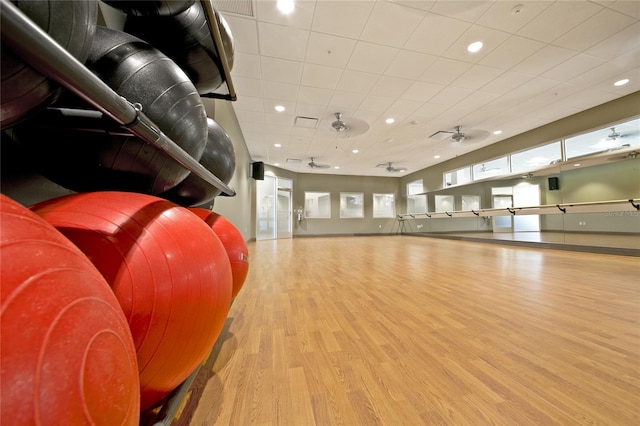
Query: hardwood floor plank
pixel 401 330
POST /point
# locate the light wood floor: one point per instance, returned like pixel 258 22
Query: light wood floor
pixel 402 330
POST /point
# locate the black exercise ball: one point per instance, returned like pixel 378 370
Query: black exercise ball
pixel 71 24
pixel 186 39
pixel 142 74
pixel 219 158
pixel 150 7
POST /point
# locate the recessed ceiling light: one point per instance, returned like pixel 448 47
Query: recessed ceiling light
pixel 277 145
pixel 355 151
pixel 621 82
pixel 497 132
pixel 285 6
pixel 336 167
pixel 475 46
pixel 279 108
pixel 276 164
pixel 436 156
pixel 389 120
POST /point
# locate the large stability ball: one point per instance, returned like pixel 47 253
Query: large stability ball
pixel 233 242
pixel 144 75
pixel 68 357
pixel 168 270
pixel 219 158
pixel 150 7
pixel 72 24
pixel 186 39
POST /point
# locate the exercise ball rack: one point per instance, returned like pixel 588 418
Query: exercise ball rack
pixel 28 41
pixel 44 54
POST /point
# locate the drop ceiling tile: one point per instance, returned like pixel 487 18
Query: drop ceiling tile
pixel 502 14
pixel 401 109
pixel 346 101
pixel 320 76
pixel 314 95
pixel 246 65
pixel 477 76
pixel 253 117
pixel 357 81
pixel 435 34
pixel 506 82
pixel 249 103
pixel 281 70
pixel 466 10
pixel 282 121
pixel 513 51
pixel 631 8
pixel 369 57
pixel 543 60
pixel 572 67
pixel 450 96
pixel 329 50
pixel 301 17
pixel 245 34
pixel 409 65
pixel 391 24
pixel 617 44
pixel 283 91
pixel 602 25
pixel 282 42
pixel 248 86
pixel 444 71
pixel 390 86
pixel 377 104
pixel 422 91
pixel 558 19
pixel 341 18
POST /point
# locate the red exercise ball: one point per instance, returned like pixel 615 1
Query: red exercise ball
pixel 168 270
pixel 68 357
pixel 233 242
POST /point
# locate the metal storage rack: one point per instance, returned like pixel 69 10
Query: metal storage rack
pixel 44 54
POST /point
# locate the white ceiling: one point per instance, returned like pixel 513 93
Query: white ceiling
pixel 371 60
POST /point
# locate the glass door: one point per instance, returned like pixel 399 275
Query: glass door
pixel 274 208
pixel 283 225
pixel 266 208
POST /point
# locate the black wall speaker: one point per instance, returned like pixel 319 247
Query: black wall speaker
pixel 257 170
pixel 553 184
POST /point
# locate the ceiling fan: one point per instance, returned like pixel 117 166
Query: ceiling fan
pixel 339 125
pixel 613 135
pixel 458 135
pixel 389 167
pixel 348 128
pixel 315 165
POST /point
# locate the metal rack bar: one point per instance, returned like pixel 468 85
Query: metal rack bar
pixel 44 54
pixel 214 29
